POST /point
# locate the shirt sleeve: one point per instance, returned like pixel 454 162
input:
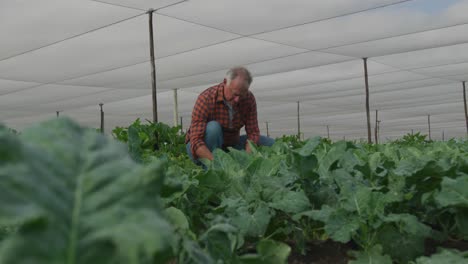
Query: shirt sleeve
pixel 198 125
pixel 251 125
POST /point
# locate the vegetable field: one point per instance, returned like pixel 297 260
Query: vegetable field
pixel 71 195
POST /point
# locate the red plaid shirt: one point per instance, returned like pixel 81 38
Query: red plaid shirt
pixel 210 106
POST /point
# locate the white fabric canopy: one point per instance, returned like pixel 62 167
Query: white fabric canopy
pixel 69 56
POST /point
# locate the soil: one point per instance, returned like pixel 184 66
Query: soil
pixel 432 245
pixel 323 252
pixel 329 252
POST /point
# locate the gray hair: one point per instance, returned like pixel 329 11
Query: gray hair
pixel 235 72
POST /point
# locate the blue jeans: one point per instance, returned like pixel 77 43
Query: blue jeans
pixel 214 139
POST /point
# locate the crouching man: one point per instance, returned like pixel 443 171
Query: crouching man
pixel 219 114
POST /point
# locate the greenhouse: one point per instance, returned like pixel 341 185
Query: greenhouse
pixel 366 100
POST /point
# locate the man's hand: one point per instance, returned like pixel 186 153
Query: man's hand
pixel 204 153
pixel 247 147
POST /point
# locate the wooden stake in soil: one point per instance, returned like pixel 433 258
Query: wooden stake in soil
pixel 153 67
pixel 366 78
pixel 328 132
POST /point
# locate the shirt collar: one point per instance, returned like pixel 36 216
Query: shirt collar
pixel 220 97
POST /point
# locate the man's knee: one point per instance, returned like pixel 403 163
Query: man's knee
pixel 266 141
pixel 214 128
pixel 213 135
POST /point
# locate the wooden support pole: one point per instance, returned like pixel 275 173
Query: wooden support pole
pixel 267 130
pixel 328 132
pixel 443 135
pixel 57 112
pixel 298 122
pixel 366 78
pixel 376 126
pixel 466 108
pixel 429 125
pixel 102 118
pixel 181 124
pixel 176 109
pixel 378 130
pixel 153 67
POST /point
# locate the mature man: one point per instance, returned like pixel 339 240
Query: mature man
pixel 219 114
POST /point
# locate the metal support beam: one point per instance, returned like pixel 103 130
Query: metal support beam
pixel 153 67
pixel 102 118
pixel 176 109
pixel 366 78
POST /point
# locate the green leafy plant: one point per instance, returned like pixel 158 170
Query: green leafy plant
pixel 291 140
pixel 76 197
pixel 412 139
pixel 153 140
pixel 444 256
pixel 385 199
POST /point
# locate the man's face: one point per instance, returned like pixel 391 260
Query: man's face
pixel 239 89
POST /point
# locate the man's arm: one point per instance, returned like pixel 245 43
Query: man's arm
pixel 204 153
pixel 247 148
pixel 197 130
pixel 251 125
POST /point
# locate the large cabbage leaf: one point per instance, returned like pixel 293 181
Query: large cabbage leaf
pixel 76 196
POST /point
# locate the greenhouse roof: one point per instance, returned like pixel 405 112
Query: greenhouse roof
pixel 69 56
